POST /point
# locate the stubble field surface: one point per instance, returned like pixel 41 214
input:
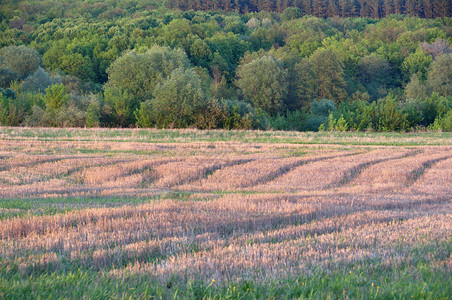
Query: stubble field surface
pixel 224 214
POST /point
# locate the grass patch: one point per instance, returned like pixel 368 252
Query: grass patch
pixel 421 281
pixel 249 136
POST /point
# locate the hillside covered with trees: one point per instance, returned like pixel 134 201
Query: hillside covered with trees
pixel 288 65
pixel 326 8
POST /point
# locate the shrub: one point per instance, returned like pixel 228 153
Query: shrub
pixel 214 116
pixel 93 114
pixel 389 116
pixel 37 82
pixel 322 107
pixel 336 124
pixel 355 114
pixel 13 110
pixel 443 123
pixel 178 100
pixel 143 115
pixel 70 116
pixel 55 96
pixel 293 120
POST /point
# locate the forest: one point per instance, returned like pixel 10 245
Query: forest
pixel 364 65
pixel 326 8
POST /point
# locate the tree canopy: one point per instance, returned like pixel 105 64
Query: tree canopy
pixel 243 64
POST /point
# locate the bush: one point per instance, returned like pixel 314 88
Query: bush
pixel 93 114
pixel 356 115
pixel 388 116
pixel 322 107
pixel 143 115
pixel 121 105
pixel 313 122
pixel 293 120
pixel 319 111
pixel 21 60
pixel 55 96
pixel 70 116
pixel 14 107
pixel 443 123
pixel 36 118
pixel 178 100
pixel 37 82
pixel 336 124
pixel 214 116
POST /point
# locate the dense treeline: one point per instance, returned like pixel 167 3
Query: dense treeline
pixel 326 8
pixel 66 64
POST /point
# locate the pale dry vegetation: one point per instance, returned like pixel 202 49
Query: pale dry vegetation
pixel 228 211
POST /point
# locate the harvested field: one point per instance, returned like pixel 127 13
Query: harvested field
pixel 88 211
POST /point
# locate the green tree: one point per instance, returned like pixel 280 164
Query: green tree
pixel 200 53
pixel 443 123
pixel 291 13
pixel 6 74
pixel 390 117
pixel 304 83
pixel 328 75
pixel 417 62
pixel 93 114
pixel 21 60
pixel 37 82
pixel 374 73
pixel 319 110
pixel 264 83
pixel 122 105
pixel 178 99
pixel 439 78
pixel 69 59
pixel 139 73
pixel 144 115
pixel 415 88
pixel 55 97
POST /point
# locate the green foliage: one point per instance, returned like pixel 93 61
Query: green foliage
pixel 443 123
pixel 387 116
pixel 6 74
pixel 21 60
pixel 37 82
pixel 415 88
pixel 416 63
pixel 139 73
pixel 242 115
pixel 318 114
pixel 126 49
pixel 375 74
pixel 291 13
pixel 424 111
pixel 328 75
pixel 61 57
pixel 322 107
pixel 200 53
pixel 293 120
pixel 236 120
pixel 93 114
pixel 70 116
pixel 440 75
pixel 356 114
pixel 55 97
pixel 122 105
pixel 178 99
pixel 144 115
pixel 263 82
pixel 336 125
pixel 303 84
pixel 13 110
